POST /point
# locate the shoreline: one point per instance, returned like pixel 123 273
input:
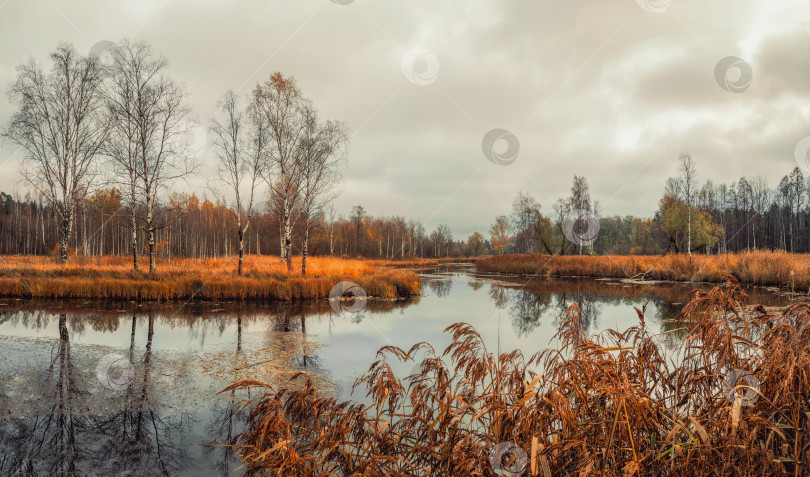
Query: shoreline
pixel 788 273
pixel 110 279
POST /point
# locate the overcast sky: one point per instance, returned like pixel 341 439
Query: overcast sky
pixel 610 89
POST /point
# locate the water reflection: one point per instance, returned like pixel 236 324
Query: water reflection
pixel 529 306
pixel 57 418
pixel 227 419
pixel 531 301
pixel 67 438
pixel 440 286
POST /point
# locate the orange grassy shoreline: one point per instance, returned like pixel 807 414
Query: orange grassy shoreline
pixel 264 279
pixel 762 268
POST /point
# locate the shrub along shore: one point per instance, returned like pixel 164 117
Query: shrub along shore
pixel 763 268
pixel 264 278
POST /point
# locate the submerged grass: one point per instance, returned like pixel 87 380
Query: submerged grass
pixel 609 404
pixel 265 278
pixel 753 268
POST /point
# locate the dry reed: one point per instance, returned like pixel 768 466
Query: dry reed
pixel 753 268
pixel 265 278
pixel 610 404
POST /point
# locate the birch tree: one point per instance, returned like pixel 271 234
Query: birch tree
pixel 761 202
pixel 688 183
pixel 285 111
pixel 797 200
pixel 154 117
pixel 322 153
pixel 58 126
pixel 580 199
pixel 240 140
pixel 331 225
pixel 128 68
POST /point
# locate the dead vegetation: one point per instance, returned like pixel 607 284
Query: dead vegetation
pixel 265 278
pixel 764 268
pixel 610 404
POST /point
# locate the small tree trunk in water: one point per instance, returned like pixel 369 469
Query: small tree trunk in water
pixel 132 339
pixel 63 331
pixel 304 339
pixel 239 334
pixel 150 332
pixel 241 251
pixel 132 333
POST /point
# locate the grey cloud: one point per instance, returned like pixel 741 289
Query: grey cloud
pixel 613 92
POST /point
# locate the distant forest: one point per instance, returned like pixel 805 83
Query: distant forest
pixel 708 218
pixel 741 216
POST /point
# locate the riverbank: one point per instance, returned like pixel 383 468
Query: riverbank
pixel 779 269
pixel 264 279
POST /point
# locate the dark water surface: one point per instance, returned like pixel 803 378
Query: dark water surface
pixel 86 389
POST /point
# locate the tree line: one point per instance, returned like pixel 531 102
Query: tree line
pixel 709 218
pixel 204 227
pixel 741 216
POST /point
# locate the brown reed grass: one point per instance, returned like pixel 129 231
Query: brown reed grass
pixel 265 278
pixel 611 404
pixel 754 268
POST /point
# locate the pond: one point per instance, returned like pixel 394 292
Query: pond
pixel 92 389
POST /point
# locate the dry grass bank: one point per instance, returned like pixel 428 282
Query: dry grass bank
pixel 612 404
pixel 265 278
pixel 424 263
pixel 755 268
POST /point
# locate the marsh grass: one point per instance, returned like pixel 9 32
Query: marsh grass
pixel 753 268
pixel 609 404
pixel 265 278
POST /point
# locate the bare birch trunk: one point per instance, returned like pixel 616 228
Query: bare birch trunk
pixel 241 250
pixel 151 232
pixel 305 248
pixel 134 224
pixel 287 233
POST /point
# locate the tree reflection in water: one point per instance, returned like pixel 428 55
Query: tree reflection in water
pixel 138 439
pixel 49 444
pixel 440 286
pixel 527 308
pixel 529 301
pixel 56 418
pixel 67 439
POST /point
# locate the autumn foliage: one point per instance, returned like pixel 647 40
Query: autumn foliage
pixel 265 278
pixel 611 404
pixel 754 268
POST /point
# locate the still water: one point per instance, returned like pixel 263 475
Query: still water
pixel 90 389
